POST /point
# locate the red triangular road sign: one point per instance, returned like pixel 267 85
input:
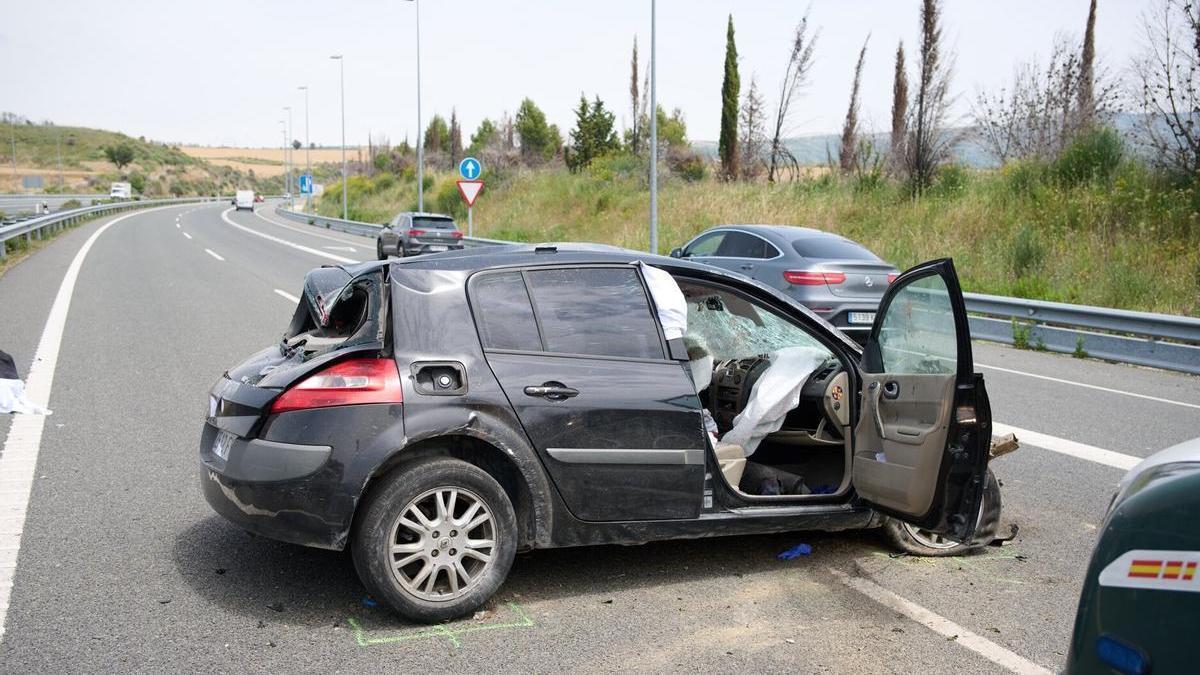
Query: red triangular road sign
pixel 470 189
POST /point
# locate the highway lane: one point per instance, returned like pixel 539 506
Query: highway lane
pixel 117 527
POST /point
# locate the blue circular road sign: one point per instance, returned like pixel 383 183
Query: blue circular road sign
pixel 470 168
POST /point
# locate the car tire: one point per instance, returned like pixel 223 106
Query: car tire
pixel 914 541
pixel 379 254
pixel 426 486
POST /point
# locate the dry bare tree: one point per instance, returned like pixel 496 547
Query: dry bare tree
pixel 848 154
pixel 899 112
pixel 795 76
pixel 1044 107
pixel 635 131
pixel 929 142
pixel 752 132
pixel 1168 79
pixel 1086 99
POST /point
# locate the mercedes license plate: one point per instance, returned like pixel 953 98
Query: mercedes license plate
pixel 861 317
pixel 222 443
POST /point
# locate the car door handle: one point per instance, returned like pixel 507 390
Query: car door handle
pixel 877 391
pixel 747 267
pixel 554 391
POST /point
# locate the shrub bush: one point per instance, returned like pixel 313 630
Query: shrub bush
pixel 1025 253
pixel 1094 155
pixel 951 181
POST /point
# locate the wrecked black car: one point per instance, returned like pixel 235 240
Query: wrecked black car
pixel 439 414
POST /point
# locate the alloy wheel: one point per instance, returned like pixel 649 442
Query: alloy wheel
pixel 442 544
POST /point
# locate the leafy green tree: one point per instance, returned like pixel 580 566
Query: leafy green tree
pixel 593 134
pixel 437 135
pixel 539 140
pixel 672 130
pixel 455 145
pixel 730 88
pixel 485 134
pixel 120 155
pixel 138 182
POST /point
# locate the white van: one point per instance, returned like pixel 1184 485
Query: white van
pixel 121 191
pixel 244 200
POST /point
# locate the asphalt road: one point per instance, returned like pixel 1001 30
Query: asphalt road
pixel 123 567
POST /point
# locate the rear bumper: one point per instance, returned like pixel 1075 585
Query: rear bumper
pixel 418 249
pixel 276 490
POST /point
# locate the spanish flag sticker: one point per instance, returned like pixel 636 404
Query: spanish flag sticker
pixel 1159 570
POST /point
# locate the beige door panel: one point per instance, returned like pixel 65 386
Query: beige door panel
pixel 900 441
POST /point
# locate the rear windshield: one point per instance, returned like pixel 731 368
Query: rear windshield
pixel 831 248
pixel 434 224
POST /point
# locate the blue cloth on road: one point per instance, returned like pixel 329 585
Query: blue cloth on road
pixel 796 551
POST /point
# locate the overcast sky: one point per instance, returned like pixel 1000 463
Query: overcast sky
pixel 218 72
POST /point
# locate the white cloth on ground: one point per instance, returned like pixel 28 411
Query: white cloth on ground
pixel 13 399
pixel 776 392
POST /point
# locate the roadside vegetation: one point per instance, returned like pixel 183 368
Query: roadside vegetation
pixel 1072 209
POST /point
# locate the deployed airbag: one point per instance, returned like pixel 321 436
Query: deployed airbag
pixel 776 392
pixel 668 299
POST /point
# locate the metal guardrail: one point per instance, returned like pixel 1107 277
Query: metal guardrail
pixel 39 227
pixel 365 229
pixel 1158 340
pixel 1140 338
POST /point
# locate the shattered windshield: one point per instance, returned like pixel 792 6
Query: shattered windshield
pixel 728 326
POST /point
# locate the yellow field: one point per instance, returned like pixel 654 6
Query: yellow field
pixel 266 162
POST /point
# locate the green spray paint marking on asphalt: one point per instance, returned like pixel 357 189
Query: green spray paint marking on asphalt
pixel 450 632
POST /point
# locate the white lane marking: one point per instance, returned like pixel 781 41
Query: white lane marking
pixel 307 231
pixel 941 625
pixel 214 254
pixel 298 247
pixel 19 459
pixel 176 223
pixel 1095 387
pixel 286 296
pixel 1063 446
pixel 341 248
pixel 187 235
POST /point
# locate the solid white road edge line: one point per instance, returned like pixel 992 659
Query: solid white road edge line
pixel 298 247
pixel 941 625
pixel 213 254
pixel 19 459
pixel 293 228
pixel 1071 448
pixel 187 235
pixel 1096 387
pixel 286 296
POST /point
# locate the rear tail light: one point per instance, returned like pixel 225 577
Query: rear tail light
pixel 351 382
pixel 416 233
pixel 806 278
pixel 456 234
pixel 892 276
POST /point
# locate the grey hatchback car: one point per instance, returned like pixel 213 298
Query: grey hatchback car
pixel 835 277
pixel 413 233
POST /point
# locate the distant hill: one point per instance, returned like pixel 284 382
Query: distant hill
pixel 162 168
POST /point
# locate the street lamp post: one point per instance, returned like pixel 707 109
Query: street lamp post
pixel 283 130
pixel 342 72
pixel 287 154
pixel 653 138
pixel 420 130
pixel 307 148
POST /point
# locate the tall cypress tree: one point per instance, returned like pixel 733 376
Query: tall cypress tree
pixel 730 87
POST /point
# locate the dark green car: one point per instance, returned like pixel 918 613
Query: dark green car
pixel 1140 607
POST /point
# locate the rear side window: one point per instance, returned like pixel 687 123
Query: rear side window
pixel 503 312
pixel 596 311
pixel 742 245
pixel 831 248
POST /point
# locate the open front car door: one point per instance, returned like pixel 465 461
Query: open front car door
pixel 921 441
